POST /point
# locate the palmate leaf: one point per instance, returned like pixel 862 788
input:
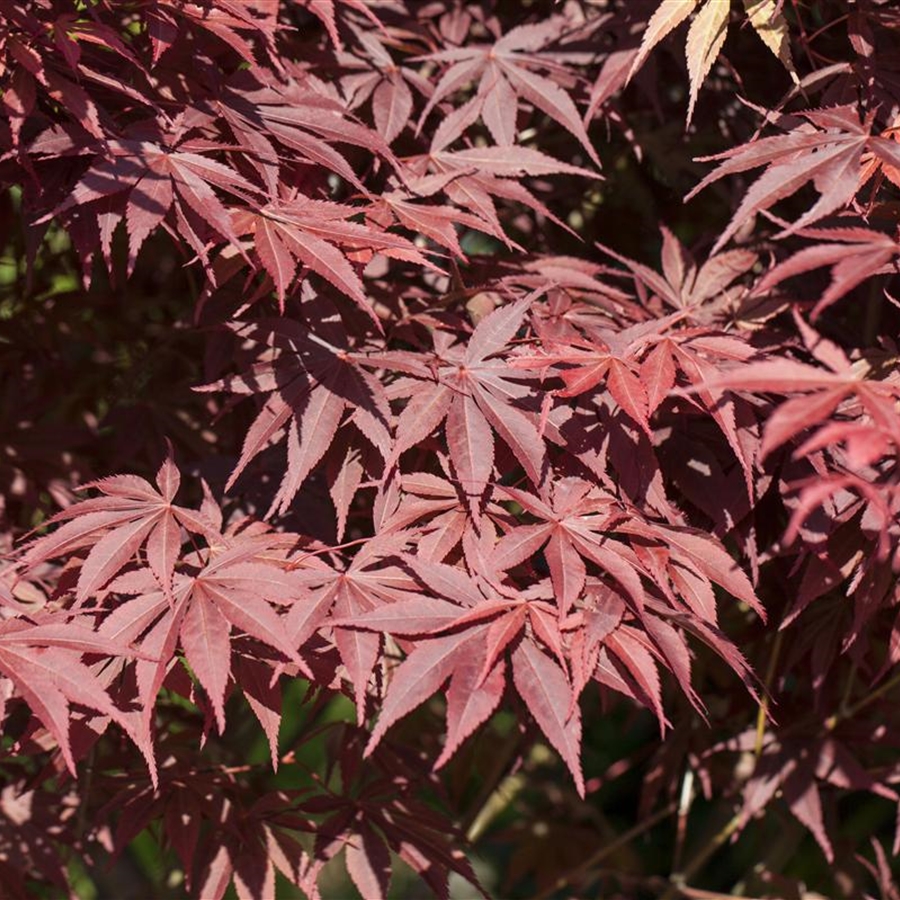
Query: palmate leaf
pixel 155 177
pixel 44 662
pixel 296 121
pixel 131 514
pixel 306 119
pixel 472 178
pixel 505 72
pixel 232 594
pixel 433 504
pixel 829 154
pixel 583 525
pixel 570 514
pixel 793 768
pixel 469 638
pixel 326 11
pixel 386 816
pixel 223 833
pixel 637 364
pixel 57 55
pixel 854 254
pixel 707 33
pixel 474 630
pixel 225 21
pixel 376 77
pixel 318 235
pixel 312 386
pixel 619 365
pixel 472 391
pixel 339 597
pixel 438 222
pixel 610 358
pixel 820 390
pixel 684 284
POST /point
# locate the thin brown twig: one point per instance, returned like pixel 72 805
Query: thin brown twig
pixel 863 702
pixel 763 713
pixel 680 879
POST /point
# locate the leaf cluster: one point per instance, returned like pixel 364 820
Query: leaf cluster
pixel 426 435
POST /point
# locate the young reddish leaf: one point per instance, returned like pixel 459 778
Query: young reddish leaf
pixel 471 699
pixel 117 525
pixel 705 39
pixel 419 676
pixel 547 694
pixel 667 17
pixel 862 254
pixel 830 157
pixel 369 863
pixel 768 22
pixel 392 106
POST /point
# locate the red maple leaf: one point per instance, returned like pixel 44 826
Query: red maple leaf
pixel 212 598
pixel 827 152
pixel 472 391
pixel 311 388
pixel 465 638
pixel 131 514
pixel 147 174
pixel 505 73
pixel 45 663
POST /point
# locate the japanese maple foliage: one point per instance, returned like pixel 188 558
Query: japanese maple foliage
pixel 449 440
